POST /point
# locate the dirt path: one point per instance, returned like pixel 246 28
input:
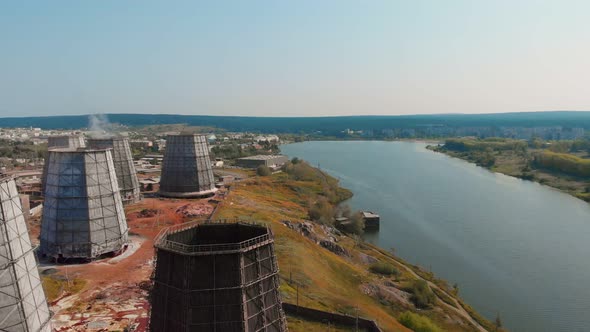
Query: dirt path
pixel 458 309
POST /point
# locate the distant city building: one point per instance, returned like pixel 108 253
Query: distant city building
pixel 272 161
pixel 268 138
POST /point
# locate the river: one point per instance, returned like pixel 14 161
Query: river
pixel 514 247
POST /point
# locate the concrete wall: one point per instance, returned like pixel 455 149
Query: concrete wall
pixel 333 318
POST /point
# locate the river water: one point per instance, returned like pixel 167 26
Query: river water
pixel 514 247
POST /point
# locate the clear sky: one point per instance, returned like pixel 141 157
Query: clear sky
pixel 293 58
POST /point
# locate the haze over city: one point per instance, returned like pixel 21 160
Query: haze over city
pixel 304 58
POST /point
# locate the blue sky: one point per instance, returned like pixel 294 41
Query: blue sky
pixel 293 58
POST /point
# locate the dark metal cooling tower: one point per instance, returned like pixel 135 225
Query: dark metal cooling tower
pixel 216 277
pixel 124 168
pixel 23 307
pixel 186 170
pixel 83 214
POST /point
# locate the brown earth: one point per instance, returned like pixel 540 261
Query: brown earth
pixel 115 294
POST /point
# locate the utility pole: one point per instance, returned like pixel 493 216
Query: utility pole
pixel 357 320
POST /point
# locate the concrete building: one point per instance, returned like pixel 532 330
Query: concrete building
pixel 272 161
pixel 83 213
pixel 371 219
pixel 186 169
pixel 216 277
pixel 23 306
pixel 124 168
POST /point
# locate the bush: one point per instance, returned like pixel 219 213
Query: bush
pixel 322 211
pixel 263 171
pixel 422 295
pixel 418 323
pixel 354 225
pixel 563 162
pixel 384 269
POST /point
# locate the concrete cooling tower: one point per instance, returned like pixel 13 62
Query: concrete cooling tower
pixel 23 307
pixel 124 168
pixel 61 142
pixel 65 142
pixel 216 277
pixel 83 214
pixel 186 170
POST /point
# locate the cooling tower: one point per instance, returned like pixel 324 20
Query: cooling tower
pixel 23 306
pixel 216 277
pixel 83 214
pixel 124 168
pixel 65 142
pixel 186 170
pixel 61 142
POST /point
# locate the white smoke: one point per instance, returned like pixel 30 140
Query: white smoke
pixel 99 126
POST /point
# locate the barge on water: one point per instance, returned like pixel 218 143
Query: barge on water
pixel 371 220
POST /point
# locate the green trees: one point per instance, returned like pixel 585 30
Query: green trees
pixel 562 162
pixel 384 269
pixel 422 295
pixel 417 322
pixel 355 224
pixel 263 170
pixel 495 144
pixel 322 211
pixel 229 151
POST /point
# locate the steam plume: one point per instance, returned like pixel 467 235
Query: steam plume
pixel 99 126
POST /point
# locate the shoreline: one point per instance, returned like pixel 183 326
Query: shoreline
pixel 536 180
pixel 406 140
pixel 348 257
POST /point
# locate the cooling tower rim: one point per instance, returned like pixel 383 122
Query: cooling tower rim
pixel 65 136
pixel 192 194
pixel 186 135
pixel 79 150
pixel 6 178
pixel 161 241
pixel 108 138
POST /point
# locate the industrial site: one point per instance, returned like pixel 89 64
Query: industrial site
pixel 95 239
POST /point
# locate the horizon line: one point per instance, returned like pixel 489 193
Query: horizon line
pixel 288 117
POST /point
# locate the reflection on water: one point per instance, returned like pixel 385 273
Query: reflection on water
pixel 514 247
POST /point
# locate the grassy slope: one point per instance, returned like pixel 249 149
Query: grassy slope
pixel 326 281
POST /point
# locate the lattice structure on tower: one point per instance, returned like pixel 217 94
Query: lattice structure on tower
pixel 216 277
pixel 83 213
pixel 65 142
pixel 124 168
pixel 23 306
pixel 72 142
pixel 186 168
